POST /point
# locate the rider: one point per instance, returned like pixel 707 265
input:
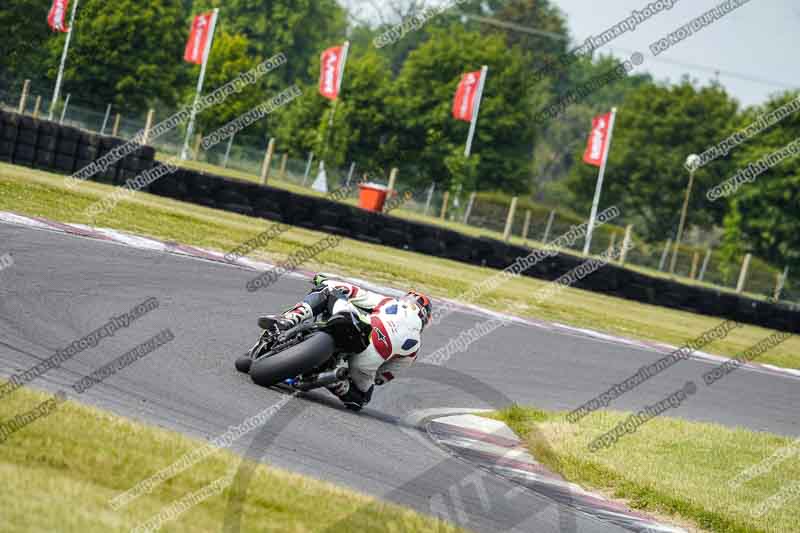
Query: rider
pixel 394 342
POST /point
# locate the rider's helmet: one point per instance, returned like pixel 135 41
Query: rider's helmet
pixel 423 304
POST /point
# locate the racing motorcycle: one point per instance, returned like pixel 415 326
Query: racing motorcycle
pixel 308 356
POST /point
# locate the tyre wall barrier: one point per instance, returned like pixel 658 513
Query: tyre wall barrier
pixel 42 144
pixel 47 145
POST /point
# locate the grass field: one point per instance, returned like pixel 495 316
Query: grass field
pixel 32 192
pixel 59 474
pixel 672 467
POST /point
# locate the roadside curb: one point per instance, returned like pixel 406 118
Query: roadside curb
pixel 493 446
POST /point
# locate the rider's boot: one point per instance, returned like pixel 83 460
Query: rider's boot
pixel 300 313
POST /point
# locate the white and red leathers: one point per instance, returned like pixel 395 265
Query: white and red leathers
pixel 395 338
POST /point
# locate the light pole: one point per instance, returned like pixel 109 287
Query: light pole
pixel 692 162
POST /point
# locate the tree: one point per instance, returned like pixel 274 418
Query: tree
pixel 362 123
pixel 23 53
pixel 657 128
pixel 126 52
pixel 229 58
pixel 763 217
pixel 426 132
pixel 301 29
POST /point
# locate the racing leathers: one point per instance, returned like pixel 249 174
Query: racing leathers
pixel 394 341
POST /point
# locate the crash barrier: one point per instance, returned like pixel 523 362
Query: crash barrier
pixel 47 145
pixel 65 150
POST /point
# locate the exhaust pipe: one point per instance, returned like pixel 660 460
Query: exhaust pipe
pixel 322 380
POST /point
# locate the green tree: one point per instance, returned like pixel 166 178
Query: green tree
pixel 763 217
pixel 125 52
pixel 423 95
pixel 362 124
pixel 301 29
pixel 657 128
pixel 23 51
pixel 229 58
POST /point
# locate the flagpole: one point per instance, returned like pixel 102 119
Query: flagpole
pixel 60 76
pixel 474 121
pixel 345 50
pixel 200 80
pixel 599 186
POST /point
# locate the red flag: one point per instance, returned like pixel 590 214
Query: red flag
pixel 598 140
pixel 330 72
pixel 198 38
pixel 57 18
pixel 464 102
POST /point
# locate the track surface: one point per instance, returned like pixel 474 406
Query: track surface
pixel 61 287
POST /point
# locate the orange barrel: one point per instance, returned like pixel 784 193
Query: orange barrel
pixel 372 196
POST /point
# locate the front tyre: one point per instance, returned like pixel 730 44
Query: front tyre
pixel 294 361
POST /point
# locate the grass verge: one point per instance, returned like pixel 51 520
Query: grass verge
pixel 669 467
pixel 32 192
pixel 59 474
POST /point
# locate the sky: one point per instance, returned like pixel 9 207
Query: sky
pixel 760 41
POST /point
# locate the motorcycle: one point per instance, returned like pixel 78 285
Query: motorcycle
pixel 308 356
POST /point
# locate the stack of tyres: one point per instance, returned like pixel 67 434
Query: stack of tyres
pixel 46 145
pixel 27 135
pixel 87 151
pixel 66 149
pixel 109 174
pixel 8 136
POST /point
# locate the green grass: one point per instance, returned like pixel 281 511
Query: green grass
pixel 33 192
pixel 60 472
pixel 670 467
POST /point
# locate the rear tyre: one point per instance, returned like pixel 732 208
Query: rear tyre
pixel 292 362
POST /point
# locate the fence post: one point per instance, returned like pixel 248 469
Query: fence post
pixel 148 125
pixel 197 141
pixel 228 151
pixel 308 167
pixel 526 226
pixel 23 98
pixel 510 219
pixel 105 120
pixel 612 244
pixel 743 273
pixel 695 262
pixel 705 265
pixel 265 167
pixel 445 201
pixel 469 207
pixel 37 106
pixel 430 197
pixel 284 160
pixel 350 173
pixel 663 261
pixel 115 131
pixel 626 244
pixel 781 284
pixel 392 181
pixel 64 109
pixel 549 226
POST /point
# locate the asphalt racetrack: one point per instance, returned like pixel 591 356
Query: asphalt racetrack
pixel 62 287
